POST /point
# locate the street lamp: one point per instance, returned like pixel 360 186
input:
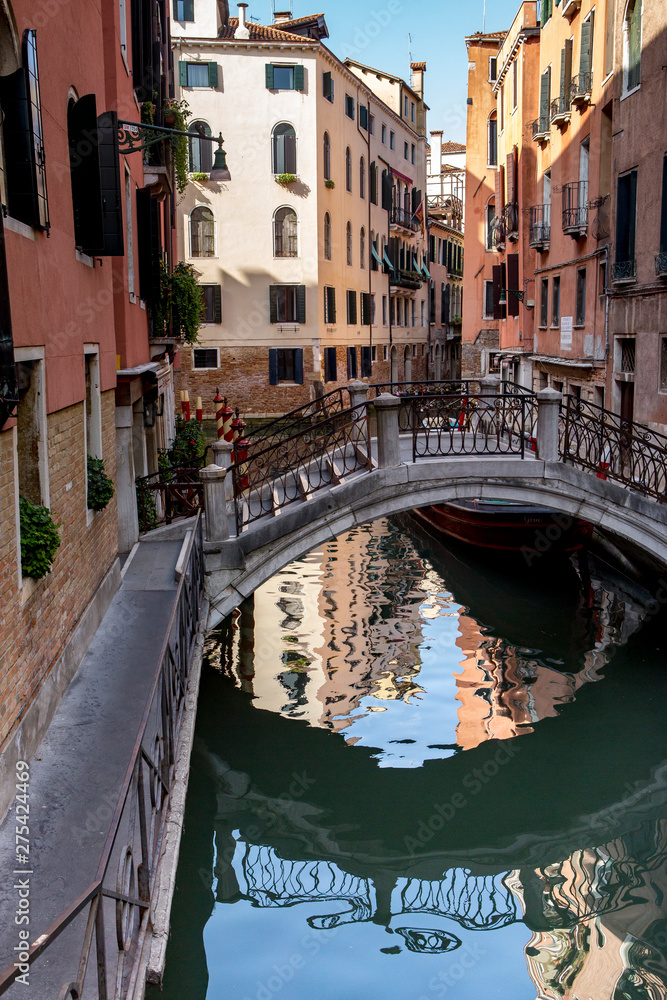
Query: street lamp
pixel 220 171
pixel 136 136
pixel 503 295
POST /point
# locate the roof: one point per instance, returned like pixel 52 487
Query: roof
pixel 382 73
pixel 492 36
pixel 302 20
pixel 264 33
pixel 453 147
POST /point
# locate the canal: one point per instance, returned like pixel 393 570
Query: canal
pixel 422 772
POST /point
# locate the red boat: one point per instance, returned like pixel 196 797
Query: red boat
pixel 505 524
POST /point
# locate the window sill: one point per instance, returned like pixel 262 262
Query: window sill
pixel 20 228
pixel 629 93
pixel 83 258
pixel 28 587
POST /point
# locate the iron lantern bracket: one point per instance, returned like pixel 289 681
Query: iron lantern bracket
pixel 136 136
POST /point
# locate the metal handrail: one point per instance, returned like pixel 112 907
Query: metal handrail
pixel 475 424
pixel 316 407
pixel 137 792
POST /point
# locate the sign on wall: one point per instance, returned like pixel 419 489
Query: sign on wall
pixel 566 326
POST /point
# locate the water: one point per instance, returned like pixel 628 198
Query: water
pixel 422 773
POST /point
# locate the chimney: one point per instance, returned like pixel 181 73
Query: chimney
pixel 436 151
pixel 280 16
pixel 242 32
pixel 418 70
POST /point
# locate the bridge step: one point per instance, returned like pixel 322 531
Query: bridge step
pixel 304 488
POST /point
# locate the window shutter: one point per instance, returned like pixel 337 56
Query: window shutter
pixel 663 219
pixel 330 293
pixel 387 191
pixel 213 74
pixel 298 78
pixel 273 304
pixel 289 159
pixel 217 302
pixel 545 97
pixel 273 366
pixel 363 116
pixel 148 240
pixel 330 365
pixel 298 365
pixel 497 286
pixel 183 74
pixel 112 200
pixel 374 183
pixel 301 304
pixel 269 76
pixel 585 57
pixel 366 362
pixel 512 284
pixel 326 85
pixel 566 71
pixel 84 172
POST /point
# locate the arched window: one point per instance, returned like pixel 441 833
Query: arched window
pixel 406 200
pixel 327 236
pixel 202 232
pixel 201 153
pixel 492 140
pixel 285 240
pixel 284 149
pixel 632 44
pixel 348 235
pixel 362 248
pixel 327 157
pixel 362 177
pixel 489 216
pixel 348 169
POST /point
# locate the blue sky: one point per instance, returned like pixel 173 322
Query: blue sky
pixel 376 32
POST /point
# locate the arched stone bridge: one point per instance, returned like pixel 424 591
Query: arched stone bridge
pixel 306 487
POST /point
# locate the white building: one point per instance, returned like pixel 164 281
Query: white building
pixel 313 257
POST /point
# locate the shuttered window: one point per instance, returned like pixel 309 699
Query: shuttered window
pixel 547 7
pixel 633 43
pixel 329 304
pixel 327 156
pixel 330 365
pixel 366 362
pixel 282 77
pixel 555 302
pixel 580 315
pixel 112 206
pixel 285 365
pixel 287 303
pixel 566 74
pixel 365 309
pixel 201 151
pixel 626 216
pixel 284 149
pixel 373 183
pixel 328 87
pixel 35 120
pixel 363 116
pixel 351 308
pixel 492 142
pixel 212 299
pixel 351 362
pixel 544 303
pixel 198 74
pixel 512 284
pixel 349 106
pixel 150 250
pixel 85 174
pixel 586 56
pixel 545 95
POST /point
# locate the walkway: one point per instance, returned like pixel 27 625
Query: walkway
pixel 78 771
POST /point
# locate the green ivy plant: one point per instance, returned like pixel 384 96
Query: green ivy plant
pixel 201 177
pixel 100 486
pixel 146 507
pixel 285 179
pixel 179 144
pixel 329 184
pixel 179 308
pixel 39 539
pixel 189 445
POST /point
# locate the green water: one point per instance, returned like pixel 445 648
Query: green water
pixel 421 773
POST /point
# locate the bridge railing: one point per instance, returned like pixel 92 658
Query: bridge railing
pixel 301 418
pixel 292 469
pixel 114 912
pixel 473 424
pixel 599 441
pixel 407 391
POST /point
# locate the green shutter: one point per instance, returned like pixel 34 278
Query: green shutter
pixel 545 94
pixel 298 78
pixel 298 365
pixel 183 74
pixel 217 304
pixel 331 304
pixel 566 71
pixel 273 366
pixel 301 304
pixel 273 303
pixel 269 76
pixel 213 74
pixel 585 57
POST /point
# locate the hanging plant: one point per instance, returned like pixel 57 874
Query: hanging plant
pixel 100 486
pixel 202 178
pixel 39 539
pixel 285 179
pixel 179 309
pixel 179 113
pixel 329 184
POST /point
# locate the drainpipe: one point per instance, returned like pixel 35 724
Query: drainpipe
pixel 391 337
pixel 369 253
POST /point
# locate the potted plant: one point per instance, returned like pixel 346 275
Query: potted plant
pixel 100 486
pixel 201 178
pixel 285 179
pixel 329 184
pixel 39 539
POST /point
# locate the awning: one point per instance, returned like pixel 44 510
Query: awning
pixel 152 368
pixel 425 269
pixel 397 173
pixel 387 261
pixel 376 254
pixel 562 362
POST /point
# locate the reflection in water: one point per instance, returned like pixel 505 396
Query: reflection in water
pixel 355 827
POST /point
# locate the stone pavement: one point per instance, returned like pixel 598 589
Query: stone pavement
pixel 77 773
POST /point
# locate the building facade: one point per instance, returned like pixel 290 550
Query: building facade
pixel 313 257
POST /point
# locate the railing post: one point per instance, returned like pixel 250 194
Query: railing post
pixel 489 386
pixel 222 457
pixel 389 445
pixel 358 393
pixel 548 416
pixel 215 503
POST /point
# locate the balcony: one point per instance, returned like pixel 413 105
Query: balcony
pixel 561 110
pixel 404 220
pixel 570 8
pixel 497 234
pixel 541 129
pixel 624 272
pixel 575 209
pixel 406 279
pixel 511 217
pixel 540 227
pixel 661 265
pixel 581 88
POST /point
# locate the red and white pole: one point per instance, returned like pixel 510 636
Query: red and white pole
pixel 199 412
pixel 186 405
pixel 218 413
pixel 227 414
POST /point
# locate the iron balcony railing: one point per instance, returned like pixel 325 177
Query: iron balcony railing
pixel 497 233
pixel 540 226
pixel 561 108
pixel 580 88
pixel 511 217
pixel 575 208
pixel 406 279
pixel 623 271
pixel 541 128
pixel 399 217
pixel 661 265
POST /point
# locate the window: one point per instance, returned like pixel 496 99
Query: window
pixel 413 111
pixel 202 232
pixel 413 310
pixel 406 150
pixel 493 69
pixel 580 315
pixel 547 6
pixel 515 84
pixel 488 300
pixel 632 45
pixel 287 303
pixel 663 364
pixel 212 299
pixel 184 10
pixel 351 308
pixel 329 304
pixel 201 151
pixel 24 145
pixel 362 178
pixel 626 216
pixel 93 402
pixel 205 357
pixel 330 364
pixel 384 313
pixel 349 106
pixel 348 243
pixel 363 117
pixel 328 87
pixel 502 108
pixel 423 312
pixel 285 235
pixel 555 302
pixel 283 147
pixel 198 74
pixel 31 427
pixel 385 352
pixel 383 133
pixel 286 365
pixel 365 301
pixel 373 183
pixel 490 216
pixel 362 248
pixel 544 302
pixel 371 123
pixel 413 152
pixel 327 157
pixel 373 309
pixel 327 236
pixel 492 140
pixel 586 52
pixel 392 140
pixel 351 362
pixel 609 38
pixel 348 169
pixel 281 77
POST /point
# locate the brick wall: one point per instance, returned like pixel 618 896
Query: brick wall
pixel 471 353
pixel 33 634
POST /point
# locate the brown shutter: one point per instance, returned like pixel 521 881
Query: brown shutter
pixel 512 284
pixel 497 286
pixel 511 178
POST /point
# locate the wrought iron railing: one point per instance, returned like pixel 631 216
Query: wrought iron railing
pixel 661 264
pixel 121 894
pixel 560 107
pixel 290 470
pixel 497 233
pixel 407 391
pixel 301 417
pixel 399 217
pixel 575 207
pixel 511 217
pixel 167 496
pixel 622 450
pixel 540 226
pixel 541 127
pixel 580 87
pixel 473 424
pixel 407 279
pixel 624 270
